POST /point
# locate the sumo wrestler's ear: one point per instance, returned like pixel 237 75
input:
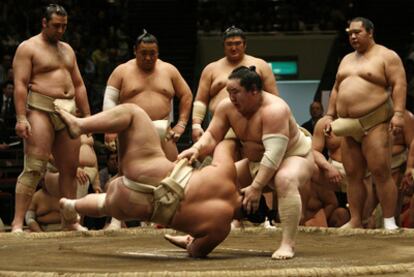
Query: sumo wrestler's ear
pixel 371 33
pixel 254 89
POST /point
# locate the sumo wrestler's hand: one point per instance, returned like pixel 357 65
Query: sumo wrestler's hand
pixel 197 132
pixel 175 133
pixel 333 175
pixel 251 198
pixel 327 130
pixel 81 176
pixel 397 123
pixel 408 182
pixel 23 127
pixel 191 154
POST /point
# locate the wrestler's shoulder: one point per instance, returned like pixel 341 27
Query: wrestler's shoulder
pixel 387 52
pixel 255 60
pixel 128 65
pixel 29 44
pixel 275 104
pixel 383 48
pixel 225 105
pixel 408 115
pixel 273 99
pixel 216 64
pixel 163 65
pixel 348 57
pixel 68 48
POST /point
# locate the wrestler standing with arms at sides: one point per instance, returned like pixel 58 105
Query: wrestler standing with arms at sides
pixel 46 73
pixel 150 83
pixel 212 86
pixel 367 116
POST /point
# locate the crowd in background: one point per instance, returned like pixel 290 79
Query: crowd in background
pixel 274 16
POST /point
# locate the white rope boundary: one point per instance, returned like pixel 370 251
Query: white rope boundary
pixel 312 271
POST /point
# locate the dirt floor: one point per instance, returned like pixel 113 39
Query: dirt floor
pixel 144 252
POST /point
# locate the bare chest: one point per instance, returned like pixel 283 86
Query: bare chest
pixel 370 69
pixel 247 129
pixel 158 84
pixel 46 205
pixel 51 58
pixel 219 81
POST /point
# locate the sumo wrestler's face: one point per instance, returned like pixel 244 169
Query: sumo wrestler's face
pixel 240 97
pixel 359 37
pixel 234 48
pixel 146 55
pixel 55 27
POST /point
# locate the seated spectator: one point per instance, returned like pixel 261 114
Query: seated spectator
pixel 329 180
pixel 322 208
pixel 316 112
pixel 43 213
pixel 110 170
pixel 8 113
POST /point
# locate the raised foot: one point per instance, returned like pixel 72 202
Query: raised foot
pixel 283 253
pixel 70 218
pixel 70 122
pixel 180 241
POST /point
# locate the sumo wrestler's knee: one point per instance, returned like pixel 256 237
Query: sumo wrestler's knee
pixel 33 171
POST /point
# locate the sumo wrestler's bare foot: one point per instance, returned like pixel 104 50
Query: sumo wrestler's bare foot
pixel 17 226
pixel 237 224
pixel 179 241
pixel 351 225
pixel 17 229
pixel 74 227
pixel 115 224
pixel 284 252
pixel 70 218
pixel 70 121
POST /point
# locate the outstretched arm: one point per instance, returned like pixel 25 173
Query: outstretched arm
pixel 213 135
